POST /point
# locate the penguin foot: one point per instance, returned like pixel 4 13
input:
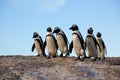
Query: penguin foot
pixel 81 59
pixel 48 57
pixel 88 57
pixel 103 58
pixel 67 55
pixel 54 56
pixel 85 56
pixel 61 55
pixel 38 55
pixel 98 58
pixel 93 58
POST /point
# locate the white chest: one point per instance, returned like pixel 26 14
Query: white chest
pixel 51 45
pixel 76 42
pixel 38 47
pixel 100 43
pixel 91 44
pixel 61 43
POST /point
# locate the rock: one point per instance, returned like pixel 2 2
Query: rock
pixel 40 68
pixel 34 76
pixel 14 75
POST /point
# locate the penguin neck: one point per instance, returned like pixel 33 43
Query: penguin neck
pixel 90 35
pixel 98 38
pixel 75 32
pixel 49 33
pixel 37 38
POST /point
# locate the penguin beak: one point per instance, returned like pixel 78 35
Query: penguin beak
pixel 33 36
pixel 54 31
pixel 70 28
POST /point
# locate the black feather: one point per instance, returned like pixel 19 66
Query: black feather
pixel 44 45
pixel 55 42
pixel 33 47
pixel 71 46
pixel 64 37
pixel 41 39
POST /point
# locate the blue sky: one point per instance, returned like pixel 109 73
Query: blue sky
pixel 20 18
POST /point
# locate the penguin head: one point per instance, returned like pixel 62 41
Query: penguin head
pixel 56 30
pixel 98 34
pixel 35 35
pixel 74 27
pixel 49 29
pixel 90 30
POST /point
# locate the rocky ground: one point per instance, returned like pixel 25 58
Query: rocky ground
pixel 39 68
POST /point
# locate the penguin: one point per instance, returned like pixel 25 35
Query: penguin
pixel 62 41
pixel 77 42
pixel 38 44
pixel 101 55
pixel 51 43
pixel 91 44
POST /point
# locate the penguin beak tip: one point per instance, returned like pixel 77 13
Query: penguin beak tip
pixel 33 37
pixel 70 28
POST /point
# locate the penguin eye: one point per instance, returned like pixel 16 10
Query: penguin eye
pixel 58 30
pixel 98 34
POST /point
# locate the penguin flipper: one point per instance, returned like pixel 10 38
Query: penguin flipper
pixel 71 46
pixel 43 50
pixel 81 37
pixel 85 42
pixel 33 47
pixel 104 46
pixel 41 39
pixel 44 45
pixel 81 40
pixel 65 38
pixel 98 45
pixel 55 42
